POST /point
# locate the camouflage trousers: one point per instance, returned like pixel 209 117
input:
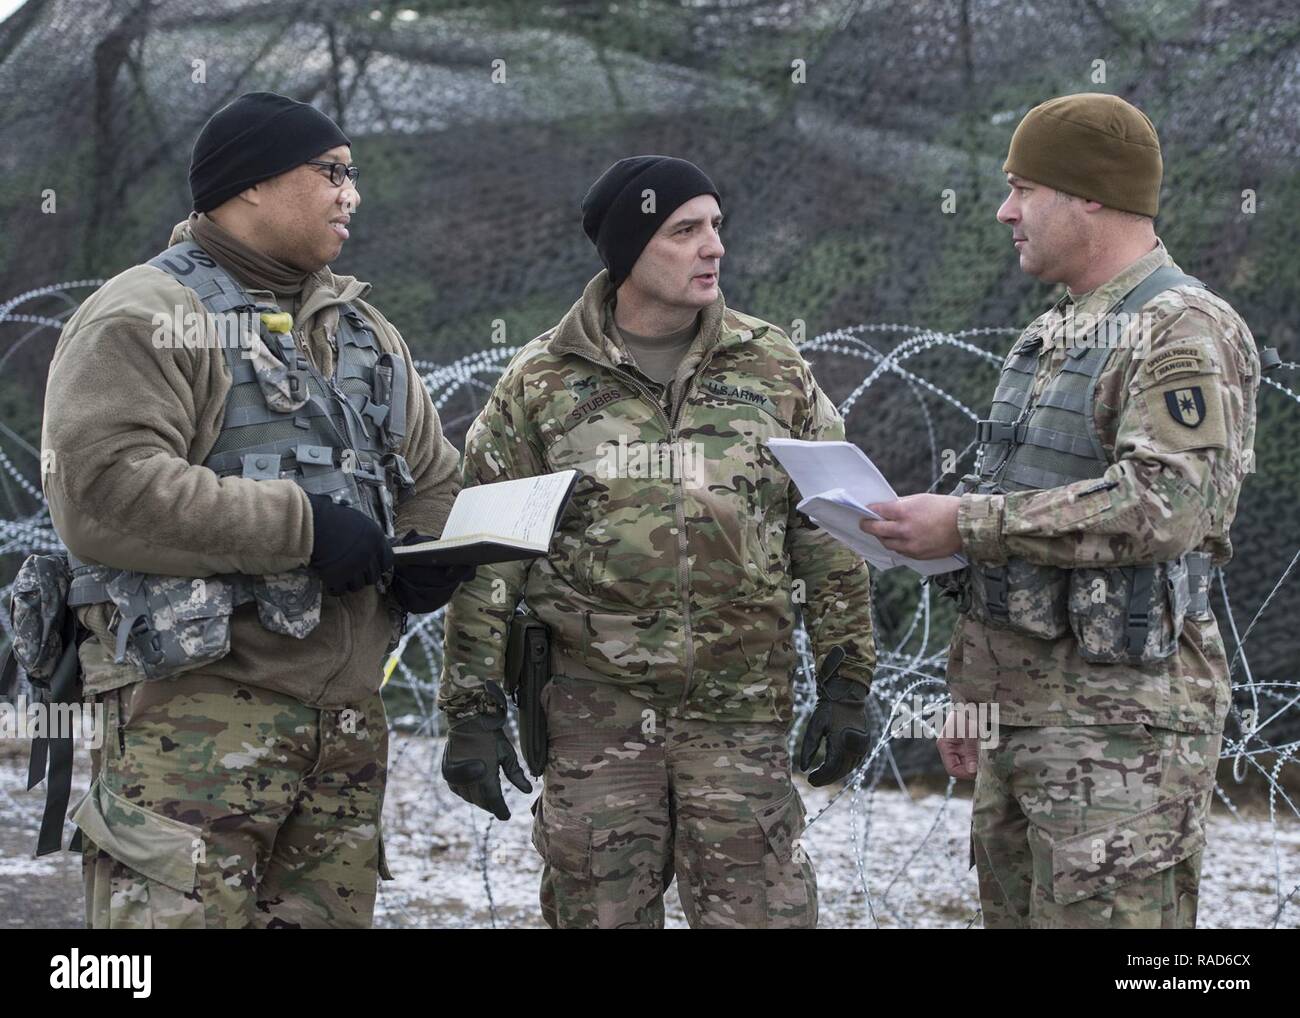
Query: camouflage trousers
pixel 633 797
pixel 215 804
pixel 1092 827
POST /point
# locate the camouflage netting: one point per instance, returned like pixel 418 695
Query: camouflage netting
pixel 835 131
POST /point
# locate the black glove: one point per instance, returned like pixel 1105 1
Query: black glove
pixel 348 549
pixel 476 748
pixel 426 588
pixel 840 718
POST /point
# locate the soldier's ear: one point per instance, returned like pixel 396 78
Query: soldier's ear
pixel 253 195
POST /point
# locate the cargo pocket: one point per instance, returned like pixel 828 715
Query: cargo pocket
pixel 790 881
pixel 569 894
pixel 748 871
pixel 1107 860
pixel 565 844
pixel 289 602
pixel 154 880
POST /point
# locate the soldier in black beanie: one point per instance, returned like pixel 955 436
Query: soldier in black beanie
pixel 668 590
pixel 258 136
pixel 249 766
pixel 242 176
pixel 655 221
pixel 623 209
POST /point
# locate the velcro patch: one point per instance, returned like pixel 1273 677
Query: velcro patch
pixel 1175 360
pixel 1186 415
pixel 1186 406
pixel 590 405
pixel 740 394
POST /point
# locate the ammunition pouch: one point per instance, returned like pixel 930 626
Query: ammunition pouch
pixel 37 607
pixel 46 637
pixel 1135 614
pixel 168 625
pixel 287 603
pixel 1018 595
pixel 528 670
pixel 1120 615
pixel 1021 596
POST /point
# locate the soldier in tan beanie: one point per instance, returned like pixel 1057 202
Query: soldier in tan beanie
pixel 1108 475
pixel 1085 176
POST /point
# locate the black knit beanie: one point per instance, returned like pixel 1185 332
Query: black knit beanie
pixel 258 136
pixel 612 215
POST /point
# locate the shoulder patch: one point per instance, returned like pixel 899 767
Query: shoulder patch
pixel 1183 415
pixel 1186 406
pixel 1180 359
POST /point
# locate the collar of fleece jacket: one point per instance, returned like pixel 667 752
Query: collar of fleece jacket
pixel 581 330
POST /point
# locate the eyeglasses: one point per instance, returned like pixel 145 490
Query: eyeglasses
pixel 338 171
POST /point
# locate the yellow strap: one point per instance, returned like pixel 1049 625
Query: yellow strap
pixel 278 321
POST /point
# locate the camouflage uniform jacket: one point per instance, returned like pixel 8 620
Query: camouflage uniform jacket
pixel 1171 488
pixel 678 584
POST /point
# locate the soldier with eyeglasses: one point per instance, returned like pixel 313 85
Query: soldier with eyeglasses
pixel 229 511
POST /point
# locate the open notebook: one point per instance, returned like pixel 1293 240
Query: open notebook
pixel 499 522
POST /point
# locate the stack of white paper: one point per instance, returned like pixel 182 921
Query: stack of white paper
pixel 838 482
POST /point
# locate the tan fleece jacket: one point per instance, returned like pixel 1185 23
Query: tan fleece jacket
pixel 128 425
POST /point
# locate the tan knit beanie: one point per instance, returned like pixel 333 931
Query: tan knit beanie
pixel 1091 145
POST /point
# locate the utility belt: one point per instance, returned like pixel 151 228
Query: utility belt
pixel 528 670
pixel 166 625
pixel 1119 615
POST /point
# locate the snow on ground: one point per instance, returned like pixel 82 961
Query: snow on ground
pixel 457 867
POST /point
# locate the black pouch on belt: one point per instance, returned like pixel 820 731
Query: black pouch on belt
pixel 528 670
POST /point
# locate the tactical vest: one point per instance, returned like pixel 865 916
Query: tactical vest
pixel 283 419
pixel 1118 615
